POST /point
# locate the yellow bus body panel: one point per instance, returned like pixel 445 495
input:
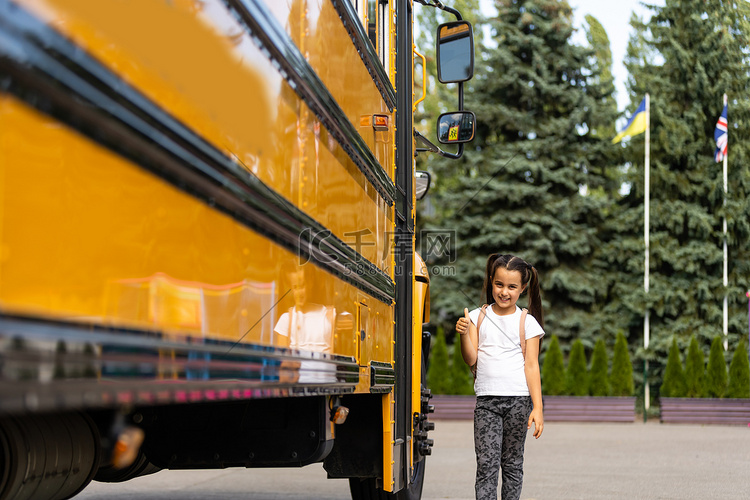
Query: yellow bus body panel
pixel 87 236
pixel 196 62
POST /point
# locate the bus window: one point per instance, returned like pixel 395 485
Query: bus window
pixel 372 19
pixel 377 28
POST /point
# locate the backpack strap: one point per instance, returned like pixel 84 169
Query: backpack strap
pixel 522 330
pixel 482 314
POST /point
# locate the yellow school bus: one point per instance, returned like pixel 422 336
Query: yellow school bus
pixel 207 239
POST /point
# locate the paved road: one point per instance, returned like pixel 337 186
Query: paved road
pixel 570 461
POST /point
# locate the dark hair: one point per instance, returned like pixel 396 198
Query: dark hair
pixel 528 276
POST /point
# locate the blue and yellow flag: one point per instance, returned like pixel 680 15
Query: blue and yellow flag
pixel 636 125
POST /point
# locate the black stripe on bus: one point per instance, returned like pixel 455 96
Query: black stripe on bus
pixel 53 75
pixel 103 366
pixel 367 52
pixel 270 37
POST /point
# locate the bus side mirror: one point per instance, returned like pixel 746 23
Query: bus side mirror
pixel 423 183
pixel 455 52
pixel 456 127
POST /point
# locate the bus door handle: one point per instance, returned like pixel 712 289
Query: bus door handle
pixel 424 77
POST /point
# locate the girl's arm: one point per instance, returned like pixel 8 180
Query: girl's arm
pixel 534 381
pixel 469 339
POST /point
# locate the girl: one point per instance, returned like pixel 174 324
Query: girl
pixel 507 383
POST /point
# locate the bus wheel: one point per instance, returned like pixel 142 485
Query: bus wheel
pixel 47 457
pixel 140 467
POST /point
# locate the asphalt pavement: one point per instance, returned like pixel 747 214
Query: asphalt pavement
pixel 607 461
pixel 570 461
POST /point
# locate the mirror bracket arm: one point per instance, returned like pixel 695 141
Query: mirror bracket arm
pixel 432 148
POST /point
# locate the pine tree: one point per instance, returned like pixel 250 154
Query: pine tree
pixel 462 381
pixel 539 144
pixel 439 370
pixel 695 369
pixel 577 377
pixel 739 373
pixel 599 383
pixel 716 371
pixel 621 379
pixel 674 377
pixel 553 370
pixel 686 57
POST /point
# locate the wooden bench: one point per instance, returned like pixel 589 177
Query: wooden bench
pixel 705 411
pixel 556 408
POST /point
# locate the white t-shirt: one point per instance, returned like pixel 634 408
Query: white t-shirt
pixel 500 364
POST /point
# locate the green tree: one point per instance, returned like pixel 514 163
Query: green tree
pixel 621 379
pixel 716 371
pixel 673 385
pixel 438 372
pixel 739 373
pixel 539 152
pixel 553 370
pixel 599 383
pixel 686 57
pixel 695 369
pixel 462 381
pixel 577 377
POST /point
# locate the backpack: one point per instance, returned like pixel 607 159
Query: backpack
pixel 522 335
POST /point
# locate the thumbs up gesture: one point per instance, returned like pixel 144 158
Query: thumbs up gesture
pixel 462 325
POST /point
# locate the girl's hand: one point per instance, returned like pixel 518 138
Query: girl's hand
pixel 462 325
pixel 538 419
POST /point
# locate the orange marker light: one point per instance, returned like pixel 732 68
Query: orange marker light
pixel 126 449
pixel 380 122
pixel 339 414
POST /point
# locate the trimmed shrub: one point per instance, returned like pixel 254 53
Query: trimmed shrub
pixel 577 378
pixel 695 370
pixel 462 381
pixel 739 373
pixel 553 370
pixel 439 371
pixel 716 371
pixel 599 381
pixel 621 378
pixel 673 385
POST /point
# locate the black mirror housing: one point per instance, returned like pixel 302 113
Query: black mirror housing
pixel 455 52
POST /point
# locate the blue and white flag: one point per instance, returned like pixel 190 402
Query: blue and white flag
pixel 721 136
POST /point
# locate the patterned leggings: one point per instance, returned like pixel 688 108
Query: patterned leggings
pixel 499 437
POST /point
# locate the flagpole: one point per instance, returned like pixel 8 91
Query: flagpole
pixel 726 253
pixel 646 221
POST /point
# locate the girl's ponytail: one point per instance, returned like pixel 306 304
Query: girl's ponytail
pixel 535 297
